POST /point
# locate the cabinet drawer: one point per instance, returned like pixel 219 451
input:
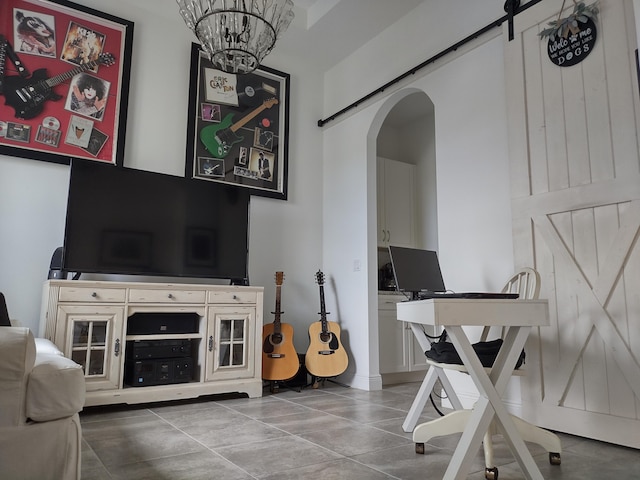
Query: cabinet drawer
pixel 72 294
pixel 140 295
pixel 232 297
pixel 388 302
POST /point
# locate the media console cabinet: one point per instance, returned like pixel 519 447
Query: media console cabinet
pixel 148 342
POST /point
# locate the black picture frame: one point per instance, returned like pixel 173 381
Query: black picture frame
pixel 238 127
pixel 83 47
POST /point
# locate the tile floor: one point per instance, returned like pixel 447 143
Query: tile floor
pixel 327 433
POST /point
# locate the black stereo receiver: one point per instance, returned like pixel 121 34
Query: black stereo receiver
pixel 158 371
pixel 156 323
pixel 143 349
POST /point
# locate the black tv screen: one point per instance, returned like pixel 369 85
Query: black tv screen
pixel 127 221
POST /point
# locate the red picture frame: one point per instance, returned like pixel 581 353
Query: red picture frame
pixel 64 79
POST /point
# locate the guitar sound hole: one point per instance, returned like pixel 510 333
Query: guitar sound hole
pixel 331 339
pixel 267 347
pixel 276 338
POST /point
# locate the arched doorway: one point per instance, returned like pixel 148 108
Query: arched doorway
pixel 401 151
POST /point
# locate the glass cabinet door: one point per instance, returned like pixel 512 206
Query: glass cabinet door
pixel 88 346
pixel 94 340
pixel 230 344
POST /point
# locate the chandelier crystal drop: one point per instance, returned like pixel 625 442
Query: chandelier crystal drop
pixel 237 34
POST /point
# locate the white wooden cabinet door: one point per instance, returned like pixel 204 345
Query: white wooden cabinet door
pixel 396 203
pixel 93 337
pixel 398 350
pixel 575 174
pixel 231 343
pixel 392 337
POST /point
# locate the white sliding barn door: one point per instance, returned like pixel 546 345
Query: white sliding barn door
pixel 575 173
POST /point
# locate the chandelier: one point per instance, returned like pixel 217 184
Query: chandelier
pixel 237 34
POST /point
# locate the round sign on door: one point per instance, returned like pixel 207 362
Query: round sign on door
pixel 575 47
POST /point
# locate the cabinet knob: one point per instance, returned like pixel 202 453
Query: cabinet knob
pixel 94 294
pixel 235 297
pixel 116 349
pixel 170 295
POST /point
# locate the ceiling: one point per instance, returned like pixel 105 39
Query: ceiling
pixel 326 30
pixel 330 30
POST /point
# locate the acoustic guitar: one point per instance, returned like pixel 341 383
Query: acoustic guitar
pixel 279 356
pixel 326 356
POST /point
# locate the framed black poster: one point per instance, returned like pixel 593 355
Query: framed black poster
pixel 64 78
pixel 238 127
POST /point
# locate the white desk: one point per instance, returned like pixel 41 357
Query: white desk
pixel 453 314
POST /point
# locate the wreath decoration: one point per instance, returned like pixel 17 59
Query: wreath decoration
pixel 562 27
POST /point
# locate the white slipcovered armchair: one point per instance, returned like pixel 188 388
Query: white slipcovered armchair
pixel 41 393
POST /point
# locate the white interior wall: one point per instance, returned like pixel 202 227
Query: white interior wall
pixel 420 136
pixel 387 143
pixel 473 199
pixel 429 29
pixel 284 236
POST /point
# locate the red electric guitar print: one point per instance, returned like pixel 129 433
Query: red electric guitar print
pixel 28 95
pixel 279 356
pixel 219 138
pixel 326 356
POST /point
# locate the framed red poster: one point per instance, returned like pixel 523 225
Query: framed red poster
pixel 64 81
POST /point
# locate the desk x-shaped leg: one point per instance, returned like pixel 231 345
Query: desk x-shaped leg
pixel 433 375
pixel 489 406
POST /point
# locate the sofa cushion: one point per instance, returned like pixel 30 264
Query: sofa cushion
pixel 46 346
pixel 17 354
pixel 56 387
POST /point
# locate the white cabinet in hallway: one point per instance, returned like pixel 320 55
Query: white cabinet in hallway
pixel 396 203
pixel 400 353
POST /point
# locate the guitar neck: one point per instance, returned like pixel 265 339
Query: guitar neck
pixel 243 121
pixel 276 321
pixel 323 312
pixel 53 81
pixel 3 57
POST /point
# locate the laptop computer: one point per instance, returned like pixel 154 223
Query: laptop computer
pixel 417 272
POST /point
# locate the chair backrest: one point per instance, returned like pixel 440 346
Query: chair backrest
pixel 526 282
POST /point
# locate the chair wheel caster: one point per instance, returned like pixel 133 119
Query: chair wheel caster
pixel 491 473
pixel 420 448
pixel 554 458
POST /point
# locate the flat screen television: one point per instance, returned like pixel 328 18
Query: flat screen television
pixel 416 270
pixel 134 222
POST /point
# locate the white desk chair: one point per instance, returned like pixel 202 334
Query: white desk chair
pixel 526 283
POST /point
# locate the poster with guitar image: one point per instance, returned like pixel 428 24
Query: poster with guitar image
pixel 279 356
pixel 237 127
pixel 64 81
pixel 326 356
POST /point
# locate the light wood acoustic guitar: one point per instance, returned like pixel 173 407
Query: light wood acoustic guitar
pixel 279 356
pixel 326 356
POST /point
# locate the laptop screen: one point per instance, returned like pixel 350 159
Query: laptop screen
pixel 416 270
